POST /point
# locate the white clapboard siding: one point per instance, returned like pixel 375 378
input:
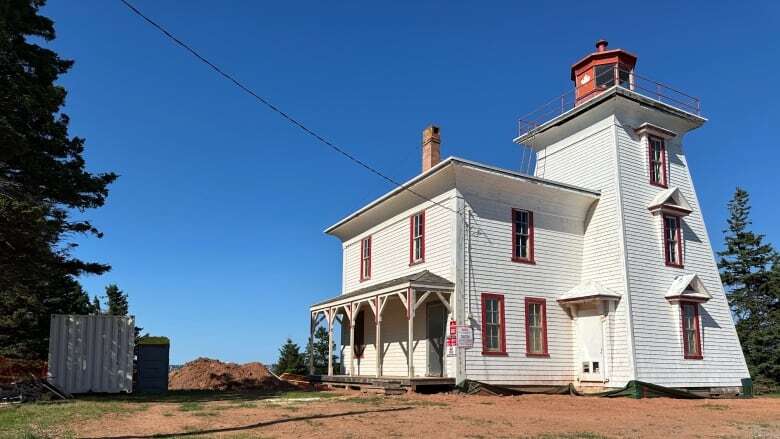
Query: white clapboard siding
pixel 657 330
pixel 390 246
pixel 588 158
pixel 489 269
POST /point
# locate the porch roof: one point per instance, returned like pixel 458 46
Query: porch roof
pixel 422 278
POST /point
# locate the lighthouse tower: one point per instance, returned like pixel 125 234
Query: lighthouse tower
pixel 656 309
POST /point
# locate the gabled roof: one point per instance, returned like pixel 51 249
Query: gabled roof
pixel 588 290
pixel 687 287
pixel 422 278
pixel 671 199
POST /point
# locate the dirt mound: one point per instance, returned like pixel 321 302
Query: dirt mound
pixel 209 374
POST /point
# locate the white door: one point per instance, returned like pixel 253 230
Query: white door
pixel 590 341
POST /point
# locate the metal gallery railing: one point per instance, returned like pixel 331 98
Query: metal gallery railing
pixel 618 76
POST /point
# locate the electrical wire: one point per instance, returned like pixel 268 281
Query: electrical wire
pixel 278 110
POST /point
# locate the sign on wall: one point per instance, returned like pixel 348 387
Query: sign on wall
pixel 465 338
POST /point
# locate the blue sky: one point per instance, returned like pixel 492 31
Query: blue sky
pixel 215 226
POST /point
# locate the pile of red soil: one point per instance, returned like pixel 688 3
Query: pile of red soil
pixel 208 374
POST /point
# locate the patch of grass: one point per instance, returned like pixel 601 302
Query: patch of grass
pixel 372 400
pixel 190 406
pixel 716 407
pixel 40 420
pixel 204 413
pixel 246 405
pixel 424 403
pixel 299 394
pixel 770 395
pixel 575 435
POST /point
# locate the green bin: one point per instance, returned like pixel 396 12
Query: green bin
pixel 747 388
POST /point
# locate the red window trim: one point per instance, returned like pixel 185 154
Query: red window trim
pixel 545 352
pixel 679 242
pixel 664 171
pixel 530 259
pixel 502 328
pixel 695 305
pixel 362 260
pixel 412 261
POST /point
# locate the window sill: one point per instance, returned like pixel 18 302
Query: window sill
pixel 694 357
pixel 661 185
pixel 529 354
pixel 413 263
pixel 524 261
pixel 669 264
pixel 495 353
pixel 363 279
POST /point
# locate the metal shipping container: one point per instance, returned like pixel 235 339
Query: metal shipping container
pixel 91 353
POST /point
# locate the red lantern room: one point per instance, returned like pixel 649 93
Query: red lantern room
pixel 601 70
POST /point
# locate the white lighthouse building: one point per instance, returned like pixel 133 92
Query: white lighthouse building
pixel 593 269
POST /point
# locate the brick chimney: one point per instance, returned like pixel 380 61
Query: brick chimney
pixel 431 147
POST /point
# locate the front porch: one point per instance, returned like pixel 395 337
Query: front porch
pixel 385 384
pixel 393 333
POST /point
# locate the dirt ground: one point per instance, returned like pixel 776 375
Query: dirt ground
pixel 336 415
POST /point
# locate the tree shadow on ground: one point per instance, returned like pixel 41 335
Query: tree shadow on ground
pixel 179 396
pixel 255 425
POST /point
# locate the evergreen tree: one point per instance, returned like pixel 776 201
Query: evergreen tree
pixel 117 301
pixel 96 306
pixel 750 272
pixel 42 180
pixel 290 359
pixel 320 348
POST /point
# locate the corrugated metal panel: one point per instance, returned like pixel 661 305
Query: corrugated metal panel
pixel 91 353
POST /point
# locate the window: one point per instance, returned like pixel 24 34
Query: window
pixel 360 334
pixel 535 327
pixel 691 333
pixel 657 156
pixel 672 241
pixel 493 338
pixel 365 259
pixel 605 76
pixel 522 236
pixel 417 238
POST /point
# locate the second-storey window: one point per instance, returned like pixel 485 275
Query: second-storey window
pixel 493 338
pixel 689 313
pixel 535 326
pixel 365 259
pixel 522 236
pixel 417 238
pixel 657 156
pixel 672 241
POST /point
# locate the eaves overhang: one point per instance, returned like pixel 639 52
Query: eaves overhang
pixel 452 161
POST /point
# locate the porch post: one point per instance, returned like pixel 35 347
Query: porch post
pixel 351 341
pixel 410 343
pixel 312 319
pixel 328 315
pixel 378 318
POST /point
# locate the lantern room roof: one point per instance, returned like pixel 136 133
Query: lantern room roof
pixel 601 53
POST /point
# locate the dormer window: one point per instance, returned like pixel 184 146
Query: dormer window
pixel 365 259
pixel 522 236
pixel 657 156
pixel 672 241
pixel 417 238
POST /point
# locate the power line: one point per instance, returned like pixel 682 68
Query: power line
pixel 276 109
